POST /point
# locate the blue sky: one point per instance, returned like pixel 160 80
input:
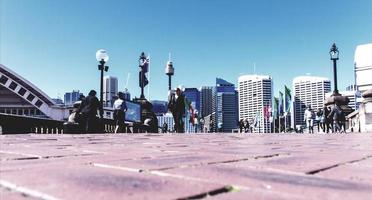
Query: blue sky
pixel 53 43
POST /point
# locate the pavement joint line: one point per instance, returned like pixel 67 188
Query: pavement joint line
pixel 22 154
pixel 225 189
pixel 312 172
pixel 26 191
pixel 116 167
pixel 219 162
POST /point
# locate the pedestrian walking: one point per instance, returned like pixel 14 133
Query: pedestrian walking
pixel 327 120
pixel 177 107
pixel 309 119
pixel 164 128
pixel 89 107
pixel 241 125
pixel 318 119
pixel 246 126
pixel 120 107
pixel 335 114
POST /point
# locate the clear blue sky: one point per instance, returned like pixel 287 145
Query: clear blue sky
pixel 53 43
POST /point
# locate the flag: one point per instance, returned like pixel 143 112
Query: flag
pixel 288 98
pixel 275 111
pixel 266 112
pixel 280 104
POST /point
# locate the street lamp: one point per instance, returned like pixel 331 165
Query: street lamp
pixel 334 57
pixel 169 70
pixel 102 57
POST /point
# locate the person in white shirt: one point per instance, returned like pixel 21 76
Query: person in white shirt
pixel 309 118
pixel 120 107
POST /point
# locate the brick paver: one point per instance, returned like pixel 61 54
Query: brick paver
pixel 181 166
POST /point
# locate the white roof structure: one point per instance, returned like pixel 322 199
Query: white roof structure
pixel 300 79
pixel 363 56
pixel 252 77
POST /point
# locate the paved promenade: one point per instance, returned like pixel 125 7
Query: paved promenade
pixel 186 166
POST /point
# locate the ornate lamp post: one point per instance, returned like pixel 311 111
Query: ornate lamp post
pixel 334 57
pixel 336 97
pixel 102 57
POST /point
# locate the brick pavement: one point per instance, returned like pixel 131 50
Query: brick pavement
pixel 186 166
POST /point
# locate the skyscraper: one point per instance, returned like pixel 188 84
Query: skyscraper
pixel 71 97
pixel 110 89
pixel 224 105
pixel 363 67
pixel 206 95
pixel 308 91
pixel 255 94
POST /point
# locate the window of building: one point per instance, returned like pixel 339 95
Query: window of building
pixel 20 112
pixel 13 85
pixel 22 91
pixel 14 111
pixel 30 97
pixel 3 79
pixel 38 103
pixel 32 112
pixel 26 112
pixel 2 111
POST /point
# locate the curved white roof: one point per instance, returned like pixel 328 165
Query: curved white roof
pixel 299 79
pixel 252 77
pixel 363 56
pixel 27 84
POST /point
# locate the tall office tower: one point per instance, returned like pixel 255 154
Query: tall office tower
pixel 71 97
pixel 224 106
pixel 206 95
pixel 193 96
pixel 308 90
pixel 126 94
pixel 363 67
pixel 255 93
pixel 110 89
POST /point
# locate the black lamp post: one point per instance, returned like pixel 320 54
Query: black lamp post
pixel 334 57
pixel 102 58
pixel 143 64
pixel 169 71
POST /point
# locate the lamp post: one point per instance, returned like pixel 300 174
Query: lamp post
pixel 102 57
pixel 143 64
pixel 334 57
pixel 169 71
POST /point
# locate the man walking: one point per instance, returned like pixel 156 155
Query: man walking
pixel 120 107
pixel 88 109
pixel 177 103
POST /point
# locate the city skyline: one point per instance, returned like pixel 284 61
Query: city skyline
pixel 207 40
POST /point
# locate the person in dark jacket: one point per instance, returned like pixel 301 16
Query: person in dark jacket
pixel 89 107
pixel 178 110
pixel 336 114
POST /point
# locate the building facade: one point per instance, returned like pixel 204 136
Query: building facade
pixel 110 89
pixel 363 67
pixel 71 97
pixel 308 91
pixel 168 119
pixel 206 95
pixel 159 107
pixel 224 108
pixel 255 93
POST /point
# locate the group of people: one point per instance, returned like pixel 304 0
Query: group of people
pixel 85 110
pixel 244 126
pixel 326 119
